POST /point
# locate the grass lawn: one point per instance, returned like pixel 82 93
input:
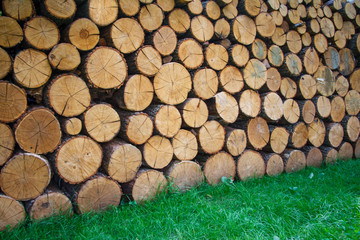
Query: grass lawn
pixel 313 204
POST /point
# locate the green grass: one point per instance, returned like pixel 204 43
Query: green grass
pixel 313 204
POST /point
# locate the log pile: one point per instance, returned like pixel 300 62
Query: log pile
pixel 104 98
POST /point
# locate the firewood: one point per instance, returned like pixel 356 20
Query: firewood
pixel 274 164
pixel 38 131
pixel 258 133
pixel 273 80
pixel 317 132
pixel 250 103
pixel 354 80
pixel 352 102
pixel 311 60
pixel 332 58
pixel 216 56
pixel 136 128
pixel 298 135
pixel 355 44
pixel 185 175
pixel 230 11
pixel 222 28
pixel 239 55
pixel 338 20
pixel 250 7
pixel 291 111
pixel 76 154
pixel 323 106
pixel 147 61
pixel 325 81
pixel 179 20
pixel 201 28
pixel 307 110
pixel 357 149
pixel 279 37
pixel 101 13
pixel 339 39
pixel 194 7
pixel 71 126
pixel 7 143
pixel 83 34
pixel 346 151
pixel 68 95
pixel 19 10
pixel 250 165
pixel 13 100
pixel 330 155
pixel 306 39
pixel 259 49
pixel 288 87
pixel 351 126
pixel 313 26
pixel 265 24
pixel 278 139
pixel 194 112
pixel 348 29
pixel 231 79
pixel 165 40
pixel 218 166
pixel 337 109
pixel 255 74
pixel 11 32
pixel 212 10
pixel 132 7
pixel 314 157
pixel 320 43
pixel 277 17
pixel 65 57
pixel 272 107
pixel 294 160
pixel 244 29
pixel 5 63
pixel 205 83
pixel 185 145
pixel 275 56
pixel 293 41
pixel 167 119
pixel 292 65
pixel 59 12
pixel 224 106
pixel 157 152
pixel 342 85
pixel 347 61
pixel 190 53
pixel 211 137
pixel 235 141
pixel 25 176
pixel 12 212
pixel 307 86
pixel 41 33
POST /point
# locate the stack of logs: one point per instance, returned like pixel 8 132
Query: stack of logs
pixel 105 98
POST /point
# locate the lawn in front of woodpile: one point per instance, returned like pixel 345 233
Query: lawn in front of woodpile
pixel 319 203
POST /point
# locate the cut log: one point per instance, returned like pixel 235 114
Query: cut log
pixel 250 103
pixel 275 56
pixel 78 159
pixel 194 112
pixel 317 132
pixel 38 131
pixel 105 68
pixel 330 155
pixel 337 109
pixel 340 39
pixel 291 111
pixel 274 164
pixel 277 17
pixel 218 166
pixel 41 33
pixel 205 83
pixel 147 184
pixel 258 133
pixel 313 26
pixel 172 83
pixel 121 161
pixel 12 212
pixel 244 29
pixel 298 135
pixel 11 33
pixel 352 102
pixel 273 80
pixel 25 176
pixel 347 61
pixel 341 85
pixel 52 202
pixel 250 7
pixel 308 111
pixel 332 58
pixel 5 63
pixel 325 81
pixel 179 20
pixel 320 43
pixel 83 34
pixel 19 10
pixel 259 49
pixel 279 37
pixel 272 107
pixel 190 53
pixel 165 40
pixel 71 126
pixel 346 151
pixel 348 29
pixel 13 101
pixel 288 88
pixel 307 86
pixel 68 95
pixel 7 143
pixel 265 25
pixel 278 139
pixel 250 165
pixel 126 34
pixel 225 106
pixel 136 128
pixel 327 27
pixel 59 11
pixel 255 74
pixel 354 80
pixel 230 11
pixel 222 28
pixel 147 61
pixel 235 141
pixel 212 10
pixel 311 60
pixel 64 57
pixel 351 125
pixel 195 7
pixel 323 106
pixel 201 28
pixel 31 68
pixel 239 55
pixel 231 79
pixel 185 145
pixel 167 119
pixel 131 8
pixel 151 17
pixel 292 65
pixel 294 160
pixel 338 20
pixel 158 152
pixel 293 17
pixel 185 175
pixel 314 157
pixel 211 137
pixel 306 39
pixel 216 56
pixel 101 13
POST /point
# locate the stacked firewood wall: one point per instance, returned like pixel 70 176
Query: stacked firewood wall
pixel 105 99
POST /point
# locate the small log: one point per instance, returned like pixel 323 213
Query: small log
pixel 68 95
pixel 106 68
pixel 19 10
pixel 325 81
pixel 354 80
pixel 185 145
pixel 5 63
pixel 194 112
pixel 13 101
pixel 342 85
pixel 314 157
pixel 218 166
pixel 250 103
pixel 230 11
pixel 212 10
pixel 307 86
pixel 348 11
pixel 205 83
pixel 292 65
pixel 147 61
pixel 255 74
pixel 299 135
pixel 274 164
pixel 7 143
pixel 311 60
pixel 250 7
pixel 294 160
pixel 194 7
pixel 71 126
pixel 201 28
pixel 259 49
pixel 83 34
pixel 346 151
pixel 339 39
pixel 348 29
pixel 12 212
pixel 224 106
pixel 272 107
pixel 25 176
pixel 327 27
pixel 76 154
pixel 11 33
pixel 190 53
pixel 347 62
pixel 59 12
pixel 352 102
pixel 250 165
pixel 338 20
pixel 131 7
pixel 273 80
pixel 179 20
pixel 279 37
pixel 216 56
pixel 277 17
pixel 157 152
pixel 51 203
pixel 211 137
pixel 146 185
pixel 165 40
pixel 291 111
pixel 323 106
pixel 136 128
pixel 258 133
pixel 167 119
pixel 239 55
pixel 337 109
pixel 265 25
pixel 293 17
pixel 222 28
pixel 351 125
pixel 101 13
pixel 235 141
pixel 275 56
pixel 231 79
pixel 320 42
pixel 330 155
pixel 185 175
pixel 38 131
pixel 306 39
pixel 172 83
pixel 244 29
pixel 278 139
pixel 308 111
pixel 293 41
pixel 288 88
pixel 41 33
pixel 64 57
pixel 313 26
pixel 317 132
pixel 31 68
pixel 332 58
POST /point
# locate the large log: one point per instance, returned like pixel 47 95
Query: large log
pixel 185 175
pixel 218 166
pixel 250 165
